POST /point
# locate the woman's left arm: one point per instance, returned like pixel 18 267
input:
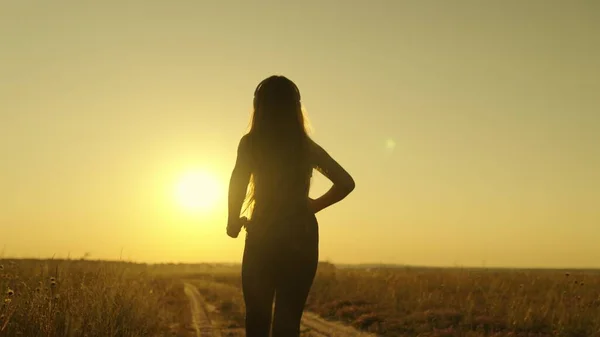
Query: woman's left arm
pixel 238 185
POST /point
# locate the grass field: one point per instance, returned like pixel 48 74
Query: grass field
pixel 461 302
pixel 82 298
pixel 88 298
pixel 442 302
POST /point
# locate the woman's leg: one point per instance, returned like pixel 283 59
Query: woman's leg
pixel 296 269
pixel 259 288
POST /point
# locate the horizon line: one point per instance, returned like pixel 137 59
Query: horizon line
pixel 343 265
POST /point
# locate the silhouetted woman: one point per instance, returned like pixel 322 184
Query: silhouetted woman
pixel 276 159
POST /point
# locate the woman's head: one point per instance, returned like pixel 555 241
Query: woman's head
pixel 277 107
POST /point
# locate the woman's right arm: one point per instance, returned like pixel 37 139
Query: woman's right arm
pixel 343 183
pixel 238 184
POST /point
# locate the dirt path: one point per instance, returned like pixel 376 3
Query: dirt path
pixel 319 327
pixel 200 320
pixel 312 325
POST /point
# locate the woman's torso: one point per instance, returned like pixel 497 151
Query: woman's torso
pixel 281 195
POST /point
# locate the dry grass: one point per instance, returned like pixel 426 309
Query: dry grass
pixel 81 298
pixel 465 302
pixel 446 302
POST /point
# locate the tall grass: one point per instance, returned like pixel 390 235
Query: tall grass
pixel 82 298
pixel 453 302
pixel 86 298
pixel 417 301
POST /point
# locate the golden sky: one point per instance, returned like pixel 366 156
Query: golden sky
pixel 472 128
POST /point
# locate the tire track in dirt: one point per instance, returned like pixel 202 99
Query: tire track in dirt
pixel 319 327
pixel 200 320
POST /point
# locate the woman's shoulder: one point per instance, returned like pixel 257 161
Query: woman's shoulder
pixel 246 139
pixel 245 144
pixel 316 152
pixel 311 142
pixel 313 146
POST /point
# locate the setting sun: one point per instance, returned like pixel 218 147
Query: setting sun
pixel 198 191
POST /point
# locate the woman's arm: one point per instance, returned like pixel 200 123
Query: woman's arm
pixel 238 185
pixel 343 183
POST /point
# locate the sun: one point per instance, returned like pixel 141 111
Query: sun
pixel 198 191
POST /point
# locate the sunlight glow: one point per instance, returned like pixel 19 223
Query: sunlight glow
pixel 198 191
pixel 390 144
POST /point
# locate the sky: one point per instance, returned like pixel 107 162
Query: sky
pixel 471 128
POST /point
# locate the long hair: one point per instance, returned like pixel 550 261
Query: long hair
pixel 278 138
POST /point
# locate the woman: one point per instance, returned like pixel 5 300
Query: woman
pixel 276 158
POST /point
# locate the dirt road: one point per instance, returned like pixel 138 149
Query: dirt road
pixel 200 319
pixel 312 325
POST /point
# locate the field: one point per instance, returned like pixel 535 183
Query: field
pixel 96 298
